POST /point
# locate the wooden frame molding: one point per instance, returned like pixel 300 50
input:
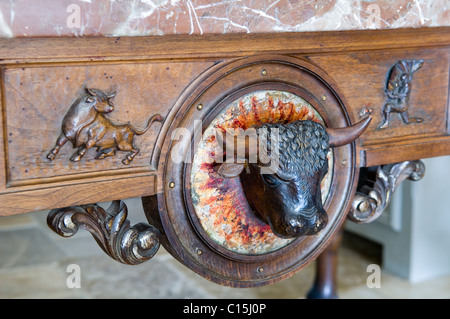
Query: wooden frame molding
pixel 27 50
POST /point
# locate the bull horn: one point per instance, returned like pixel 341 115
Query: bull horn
pixel 343 136
pixel 110 96
pixel 91 92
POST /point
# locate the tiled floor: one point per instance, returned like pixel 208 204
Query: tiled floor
pixel 34 263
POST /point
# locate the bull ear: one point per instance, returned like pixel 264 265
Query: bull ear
pixel 90 92
pixel 230 170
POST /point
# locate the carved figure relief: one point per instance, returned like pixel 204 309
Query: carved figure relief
pixel 86 126
pixel 398 88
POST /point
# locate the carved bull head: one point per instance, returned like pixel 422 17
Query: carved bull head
pixel 289 197
pixel 101 101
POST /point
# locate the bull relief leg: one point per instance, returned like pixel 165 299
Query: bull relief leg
pixel 111 229
pixel 59 143
pixel 102 153
pixel 78 154
pixel 134 151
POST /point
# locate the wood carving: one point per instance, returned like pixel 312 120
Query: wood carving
pixel 86 127
pixel 198 81
pixel 398 88
pixel 373 197
pixel 110 228
pixel 289 199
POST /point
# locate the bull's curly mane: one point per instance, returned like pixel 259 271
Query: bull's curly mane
pixel 303 146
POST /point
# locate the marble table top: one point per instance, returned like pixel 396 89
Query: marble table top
pixel 30 18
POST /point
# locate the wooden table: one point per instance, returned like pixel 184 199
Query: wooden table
pixel 176 80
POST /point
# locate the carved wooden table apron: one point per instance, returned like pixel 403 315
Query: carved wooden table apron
pixel 247 150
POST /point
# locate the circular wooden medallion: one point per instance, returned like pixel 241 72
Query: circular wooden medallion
pixel 207 223
pixel 220 205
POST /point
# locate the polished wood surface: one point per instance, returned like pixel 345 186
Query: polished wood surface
pixel 89 49
pixel 42 77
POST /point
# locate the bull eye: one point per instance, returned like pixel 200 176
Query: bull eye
pixel 270 180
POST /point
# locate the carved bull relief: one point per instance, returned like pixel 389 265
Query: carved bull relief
pixel 86 127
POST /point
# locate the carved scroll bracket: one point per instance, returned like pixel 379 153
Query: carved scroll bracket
pixel 110 228
pixel 371 201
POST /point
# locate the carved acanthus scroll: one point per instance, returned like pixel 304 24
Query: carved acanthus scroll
pixel 371 200
pixel 110 228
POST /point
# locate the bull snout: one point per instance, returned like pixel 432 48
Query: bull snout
pixel 109 105
pixel 107 109
pixel 301 224
pixel 104 107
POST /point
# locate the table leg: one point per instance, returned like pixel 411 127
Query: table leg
pixel 324 286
